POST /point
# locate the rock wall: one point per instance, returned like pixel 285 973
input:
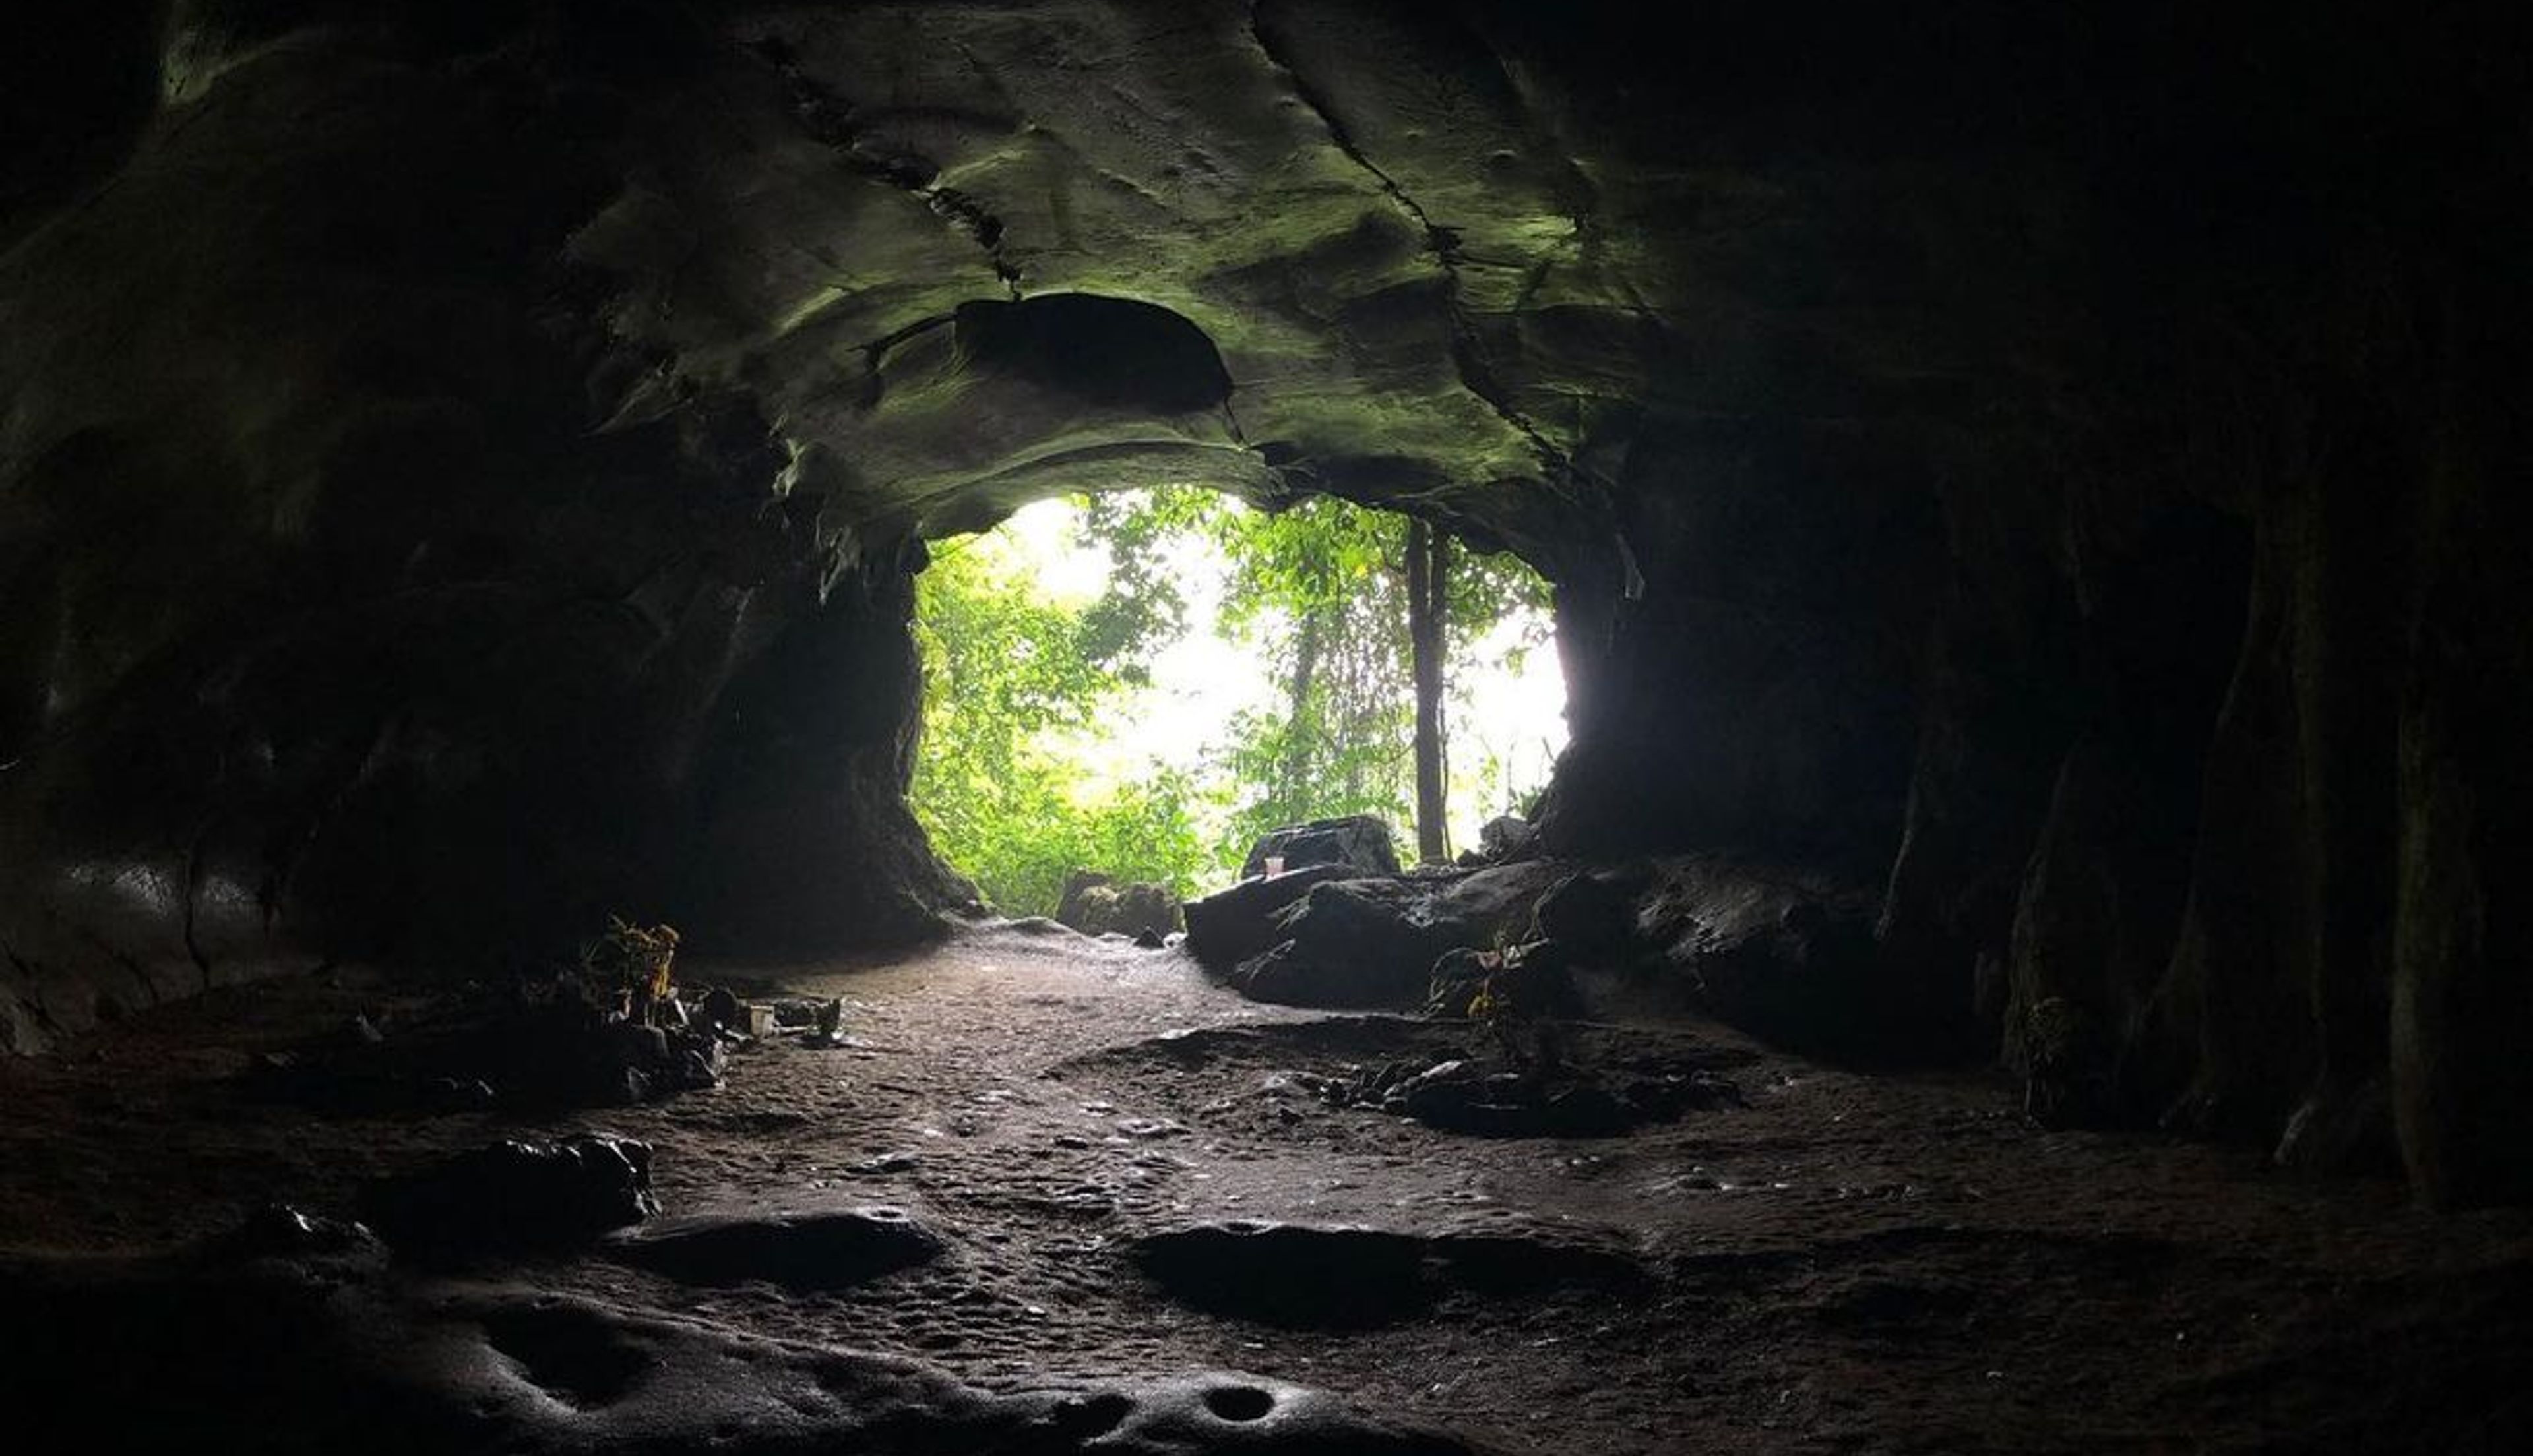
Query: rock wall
pixel 2157 367
pixel 347 613
pixel 461 470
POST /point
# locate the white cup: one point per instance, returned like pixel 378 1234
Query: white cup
pixel 1275 865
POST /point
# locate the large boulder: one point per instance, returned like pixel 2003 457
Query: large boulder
pixel 1231 925
pixel 1097 904
pixel 1787 955
pixel 1368 943
pixel 1351 943
pixel 1081 881
pixel 1593 913
pixel 1357 842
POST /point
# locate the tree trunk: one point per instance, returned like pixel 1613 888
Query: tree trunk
pixel 1427 578
pixel 1297 751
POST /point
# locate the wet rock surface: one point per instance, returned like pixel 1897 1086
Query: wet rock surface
pixel 1835 1261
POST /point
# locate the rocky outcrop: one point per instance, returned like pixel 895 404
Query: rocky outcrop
pixel 1347 941
pixel 1097 904
pixel 1360 843
pixel 1781 951
pixel 1232 924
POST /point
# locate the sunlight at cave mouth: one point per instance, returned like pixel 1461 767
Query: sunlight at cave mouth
pixel 1176 724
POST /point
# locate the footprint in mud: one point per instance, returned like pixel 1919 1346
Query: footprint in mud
pixel 570 1351
pixel 818 1249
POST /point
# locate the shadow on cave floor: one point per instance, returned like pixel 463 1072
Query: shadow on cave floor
pixel 1836 1263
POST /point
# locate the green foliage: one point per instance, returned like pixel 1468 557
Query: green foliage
pixel 1019 687
pixel 1007 675
pixel 1318 598
pixel 1143 609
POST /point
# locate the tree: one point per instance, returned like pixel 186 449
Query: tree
pixel 1008 678
pixel 1315 595
pixel 1364 624
pixel 1367 637
pixel 1429 576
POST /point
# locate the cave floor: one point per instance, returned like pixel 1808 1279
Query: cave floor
pixel 1846 1262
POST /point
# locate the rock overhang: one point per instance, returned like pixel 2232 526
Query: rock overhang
pixel 509 428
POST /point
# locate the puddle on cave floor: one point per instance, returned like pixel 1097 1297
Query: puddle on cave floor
pixel 1837 1261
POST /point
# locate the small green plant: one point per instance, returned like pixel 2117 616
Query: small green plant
pixel 630 966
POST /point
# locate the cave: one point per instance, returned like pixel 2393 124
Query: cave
pixel 2025 491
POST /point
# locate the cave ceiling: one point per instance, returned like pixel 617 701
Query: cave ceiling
pixel 1363 221
pixel 959 255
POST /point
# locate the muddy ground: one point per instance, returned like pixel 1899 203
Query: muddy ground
pixel 1820 1261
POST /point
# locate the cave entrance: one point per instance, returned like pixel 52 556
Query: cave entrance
pixel 1138 683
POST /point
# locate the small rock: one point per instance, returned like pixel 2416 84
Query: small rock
pixel 638 1046
pixel 277 1231
pixel 1435 1077
pixel 1504 835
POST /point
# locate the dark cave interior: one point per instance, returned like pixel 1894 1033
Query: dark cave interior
pixel 2025 489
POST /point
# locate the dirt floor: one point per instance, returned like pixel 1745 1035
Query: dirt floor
pixel 1827 1262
